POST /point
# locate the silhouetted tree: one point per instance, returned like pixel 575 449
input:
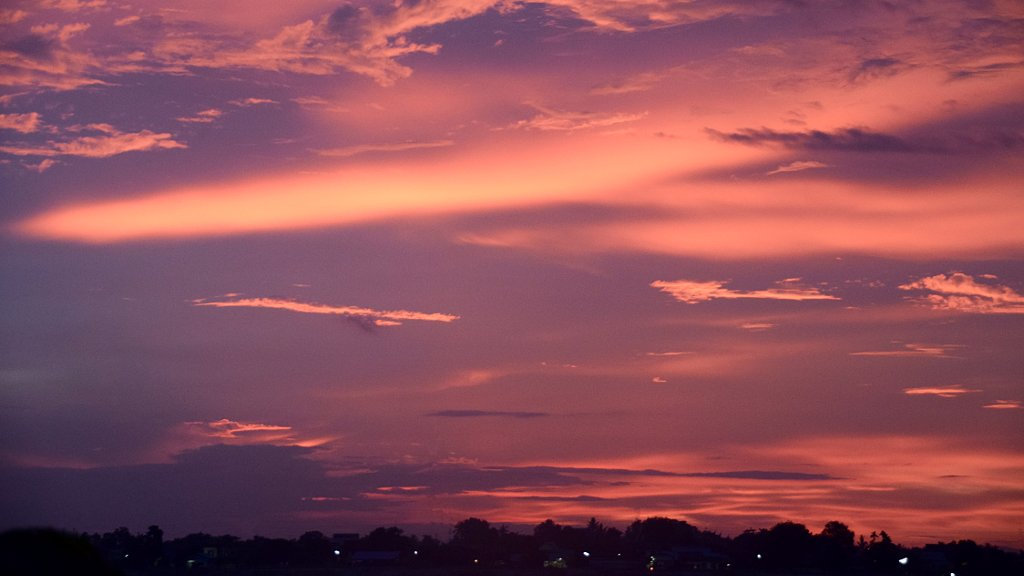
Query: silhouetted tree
pixel 314 549
pixel 788 546
pixel 835 547
pixel 660 533
pixel 387 539
pixel 882 554
pixel 475 539
pixel 45 551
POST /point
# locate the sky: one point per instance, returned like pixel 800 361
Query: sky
pixel 272 267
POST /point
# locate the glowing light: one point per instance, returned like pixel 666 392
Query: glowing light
pixel 904 560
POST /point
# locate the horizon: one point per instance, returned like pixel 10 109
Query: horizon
pixel 391 262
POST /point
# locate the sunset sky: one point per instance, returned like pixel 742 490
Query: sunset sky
pixel 338 265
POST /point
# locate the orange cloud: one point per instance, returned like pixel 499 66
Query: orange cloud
pixel 757 326
pixel 940 391
pixel 379 317
pixel 517 174
pixel 24 123
pixel 225 428
pixel 961 292
pixel 1005 405
pixel 246 102
pixel 691 292
pixel 109 142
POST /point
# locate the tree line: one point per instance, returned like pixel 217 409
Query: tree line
pixel 656 544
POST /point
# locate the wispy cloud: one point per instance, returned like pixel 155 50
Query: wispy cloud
pixel 638 83
pixel 914 350
pixel 940 391
pixel 24 123
pixel 45 59
pixel 873 68
pixel 12 16
pixel 486 414
pixel 41 166
pixel 202 117
pixel 691 291
pixel 109 141
pixel 797 166
pixel 230 429
pixel 757 326
pixel 1005 405
pixel 246 102
pixel 377 317
pixel 548 119
pixel 347 151
pixel 963 293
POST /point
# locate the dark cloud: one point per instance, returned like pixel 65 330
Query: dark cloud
pixel 346 23
pixel 847 139
pixel 32 45
pixel 964 73
pixel 486 413
pixel 264 489
pixel 235 488
pixel 877 68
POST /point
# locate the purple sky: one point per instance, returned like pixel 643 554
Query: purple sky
pixel 329 265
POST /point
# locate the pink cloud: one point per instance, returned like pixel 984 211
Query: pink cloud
pixel 378 317
pixel 245 102
pixel 913 350
pixel 798 166
pixel 1005 405
pixel 202 117
pixel 757 326
pixel 557 120
pixel 961 292
pixel 12 16
pixel 940 391
pixel 691 292
pixel 347 151
pixel 225 428
pixel 24 123
pixel 43 165
pixel 109 142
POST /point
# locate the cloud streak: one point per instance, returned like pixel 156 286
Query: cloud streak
pixel 107 142
pixel 846 139
pixel 231 429
pixel 348 151
pixel 692 292
pixel 797 166
pixel 378 317
pixel 486 414
pixel 549 119
pixel 1005 405
pixel 913 351
pixel 940 391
